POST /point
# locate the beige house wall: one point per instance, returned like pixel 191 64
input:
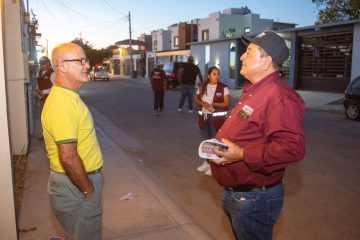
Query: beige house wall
pixel 16 76
pixel 7 206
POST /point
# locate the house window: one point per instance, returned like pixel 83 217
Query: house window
pixel 155 45
pixel 247 30
pixel 230 33
pixel 205 35
pixel 176 41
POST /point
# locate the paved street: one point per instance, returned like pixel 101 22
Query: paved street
pixel 322 192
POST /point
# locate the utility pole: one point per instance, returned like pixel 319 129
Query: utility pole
pixel 130 50
pixel 81 40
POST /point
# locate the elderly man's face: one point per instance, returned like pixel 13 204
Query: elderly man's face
pixel 252 63
pixel 77 66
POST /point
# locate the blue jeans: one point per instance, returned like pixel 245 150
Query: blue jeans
pixel 208 131
pixel 187 91
pixel 253 214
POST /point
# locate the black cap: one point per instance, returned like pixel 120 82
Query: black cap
pixel 273 44
pixel 44 60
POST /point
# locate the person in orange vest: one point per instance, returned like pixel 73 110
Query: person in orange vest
pixel 158 84
pixel 45 79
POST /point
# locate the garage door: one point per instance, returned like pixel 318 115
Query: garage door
pixel 325 62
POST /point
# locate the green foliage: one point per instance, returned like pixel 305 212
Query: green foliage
pixel 337 10
pixel 94 55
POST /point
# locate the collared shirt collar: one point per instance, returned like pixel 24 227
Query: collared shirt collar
pixel 250 88
pixel 75 91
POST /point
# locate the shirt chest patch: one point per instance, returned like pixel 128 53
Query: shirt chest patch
pixel 245 112
pixel 218 94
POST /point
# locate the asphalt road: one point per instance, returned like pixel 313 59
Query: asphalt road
pixel 322 192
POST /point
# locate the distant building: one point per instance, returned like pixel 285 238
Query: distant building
pixel 220 44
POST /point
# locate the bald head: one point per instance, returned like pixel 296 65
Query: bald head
pixel 64 51
pixel 70 65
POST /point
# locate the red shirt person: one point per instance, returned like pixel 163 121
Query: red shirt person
pixel 45 79
pixel 158 83
pixel 265 134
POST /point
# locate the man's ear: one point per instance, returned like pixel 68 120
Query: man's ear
pixel 61 67
pixel 267 62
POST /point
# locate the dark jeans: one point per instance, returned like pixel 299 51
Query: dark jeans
pixel 187 91
pixel 208 131
pixel 159 100
pixel 253 214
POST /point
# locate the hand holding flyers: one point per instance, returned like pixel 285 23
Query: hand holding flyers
pixel 206 148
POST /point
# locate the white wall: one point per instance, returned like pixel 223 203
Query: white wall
pixel 16 76
pixel 219 56
pixel 7 206
pixel 163 38
pixel 355 70
pixel 212 24
pixel 231 21
pixel 217 23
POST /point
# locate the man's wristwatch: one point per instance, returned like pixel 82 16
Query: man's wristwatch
pixel 88 194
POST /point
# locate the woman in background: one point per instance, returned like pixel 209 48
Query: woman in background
pixel 213 98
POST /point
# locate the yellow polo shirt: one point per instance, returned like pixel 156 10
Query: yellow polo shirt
pixel 66 119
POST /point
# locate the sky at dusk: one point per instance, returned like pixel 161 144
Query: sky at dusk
pixel 104 22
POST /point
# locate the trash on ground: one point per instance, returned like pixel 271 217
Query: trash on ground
pixel 128 196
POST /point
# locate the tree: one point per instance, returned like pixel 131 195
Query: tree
pixel 337 10
pixel 95 56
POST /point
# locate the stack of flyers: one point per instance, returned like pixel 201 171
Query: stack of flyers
pixel 206 148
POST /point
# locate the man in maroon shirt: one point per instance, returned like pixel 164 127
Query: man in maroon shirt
pixel 158 84
pixel 264 134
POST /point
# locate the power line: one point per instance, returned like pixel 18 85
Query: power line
pixel 114 9
pixel 78 14
pixel 52 15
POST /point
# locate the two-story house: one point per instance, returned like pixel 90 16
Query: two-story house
pixel 171 44
pixel 219 40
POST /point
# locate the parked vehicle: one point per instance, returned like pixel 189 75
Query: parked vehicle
pixel 352 99
pixel 101 72
pixel 171 70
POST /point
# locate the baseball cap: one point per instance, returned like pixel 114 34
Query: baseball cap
pixel 190 58
pixel 44 60
pixel 273 44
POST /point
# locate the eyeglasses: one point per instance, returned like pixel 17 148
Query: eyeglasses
pixel 82 61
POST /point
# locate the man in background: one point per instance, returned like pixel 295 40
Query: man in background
pixel 45 79
pixel 187 77
pixel 158 84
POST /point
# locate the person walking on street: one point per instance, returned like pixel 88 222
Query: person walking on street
pixel 264 134
pixel 213 99
pixel 158 84
pixel 45 79
pixel 72 147
pixel 187 77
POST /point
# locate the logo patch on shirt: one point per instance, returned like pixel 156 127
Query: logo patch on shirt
pixel 245 112
pixel 219 94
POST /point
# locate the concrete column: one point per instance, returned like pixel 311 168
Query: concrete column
pixel 16 70
pixel 355 70
pixel 293 61
pixel 7 206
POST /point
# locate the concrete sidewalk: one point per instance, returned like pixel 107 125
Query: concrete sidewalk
pixel 147 212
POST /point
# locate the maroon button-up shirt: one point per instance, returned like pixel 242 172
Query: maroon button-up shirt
pixel 267 123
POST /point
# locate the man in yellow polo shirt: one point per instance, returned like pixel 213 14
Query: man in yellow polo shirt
pixel 75 181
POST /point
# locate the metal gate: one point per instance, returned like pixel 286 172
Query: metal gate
pixel 325 62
